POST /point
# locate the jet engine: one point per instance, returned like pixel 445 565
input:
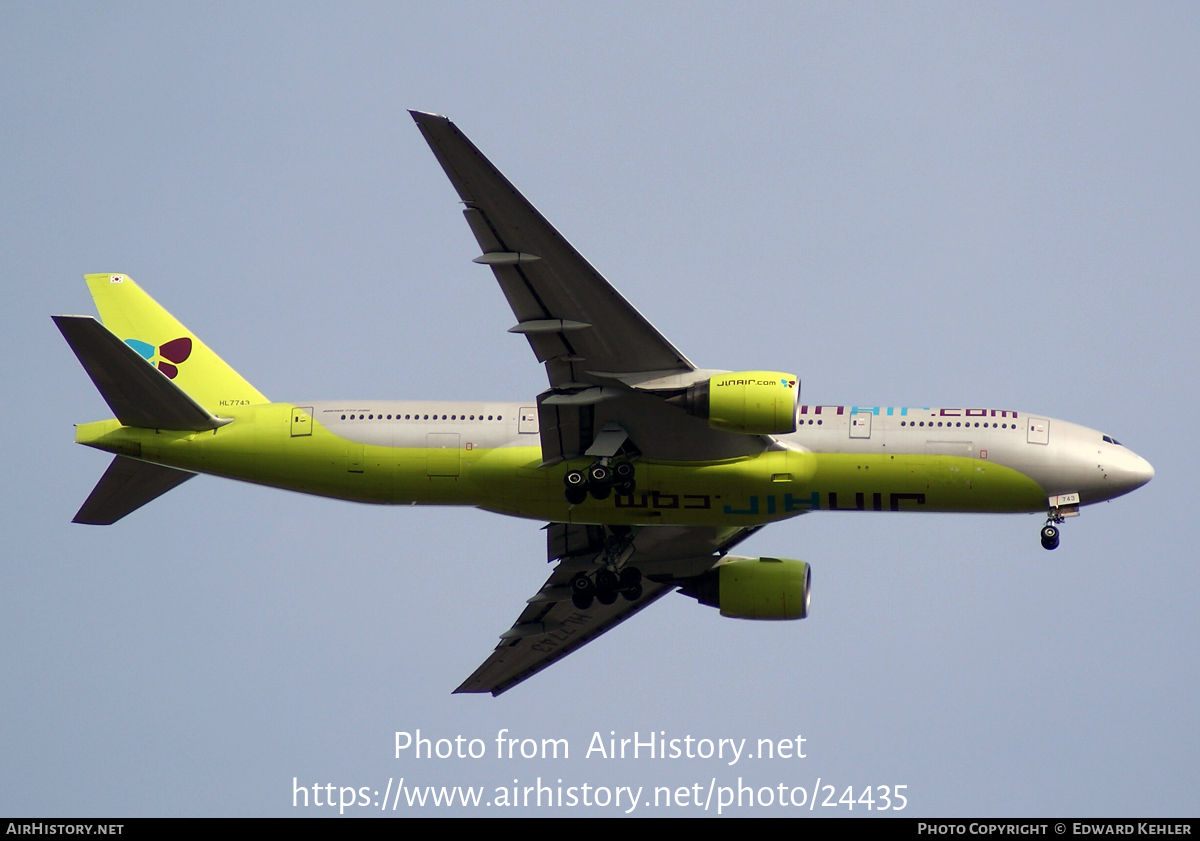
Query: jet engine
pixel 750 402
pixel 754 588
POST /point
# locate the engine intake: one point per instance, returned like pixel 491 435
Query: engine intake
pixel 754 588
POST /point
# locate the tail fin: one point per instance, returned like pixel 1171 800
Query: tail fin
pixel 140 322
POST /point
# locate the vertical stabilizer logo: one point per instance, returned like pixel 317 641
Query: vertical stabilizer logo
pixel 173 353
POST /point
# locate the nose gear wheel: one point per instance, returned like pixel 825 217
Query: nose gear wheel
pixel 1054 518
pixel 1050 536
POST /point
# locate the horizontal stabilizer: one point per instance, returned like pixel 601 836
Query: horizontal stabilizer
pixel 137 392
pixel 125 487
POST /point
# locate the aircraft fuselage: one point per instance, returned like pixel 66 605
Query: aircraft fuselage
pixel 488 455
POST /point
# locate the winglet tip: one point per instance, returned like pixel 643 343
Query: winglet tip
pixel 418 116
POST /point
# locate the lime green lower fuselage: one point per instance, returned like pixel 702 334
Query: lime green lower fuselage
pixel 491 464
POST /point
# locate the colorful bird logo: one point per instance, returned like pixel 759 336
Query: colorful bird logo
pixel 174 352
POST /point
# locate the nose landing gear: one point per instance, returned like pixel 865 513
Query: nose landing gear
pixel 1061 507
pixel 1049 536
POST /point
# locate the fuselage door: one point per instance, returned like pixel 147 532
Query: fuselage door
pixel 1039 431
pixel 528 419
pixel 301 421
pixel 441 453
pixel 860 425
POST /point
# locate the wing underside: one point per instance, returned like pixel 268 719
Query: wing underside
pixel 601 355
pixel 551 626
pixel 575 321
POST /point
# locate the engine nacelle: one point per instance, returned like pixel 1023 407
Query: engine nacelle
pixel 751 402
pixel 754 588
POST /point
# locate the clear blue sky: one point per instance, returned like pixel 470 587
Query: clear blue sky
pixel 918 204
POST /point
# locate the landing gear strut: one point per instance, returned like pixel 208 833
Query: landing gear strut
pixel 1061 507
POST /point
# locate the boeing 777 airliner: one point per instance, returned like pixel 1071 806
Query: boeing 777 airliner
pixel 648 469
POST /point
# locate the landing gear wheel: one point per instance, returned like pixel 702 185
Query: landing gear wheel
pixel 580 583
pixel 622 471
pixel 1050 536
pixel 598 474
pixel 606 587
pixel 630 583
pixel 583 591
pixel 600 491
pixel 625 488
pixel 576 495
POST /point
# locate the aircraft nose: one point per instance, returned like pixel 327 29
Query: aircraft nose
pixel 1142 471
pixel 1133 472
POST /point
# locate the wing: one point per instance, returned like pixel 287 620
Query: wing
pixel 551 627
pixel 574 320
pixel 601 355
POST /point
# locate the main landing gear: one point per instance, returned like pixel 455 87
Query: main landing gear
pixel 606 587
pixel 600 479
pixel 613 575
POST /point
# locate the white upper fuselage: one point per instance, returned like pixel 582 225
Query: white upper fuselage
pixel 1062 457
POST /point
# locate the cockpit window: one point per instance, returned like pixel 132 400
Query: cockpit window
pixel 1110 440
